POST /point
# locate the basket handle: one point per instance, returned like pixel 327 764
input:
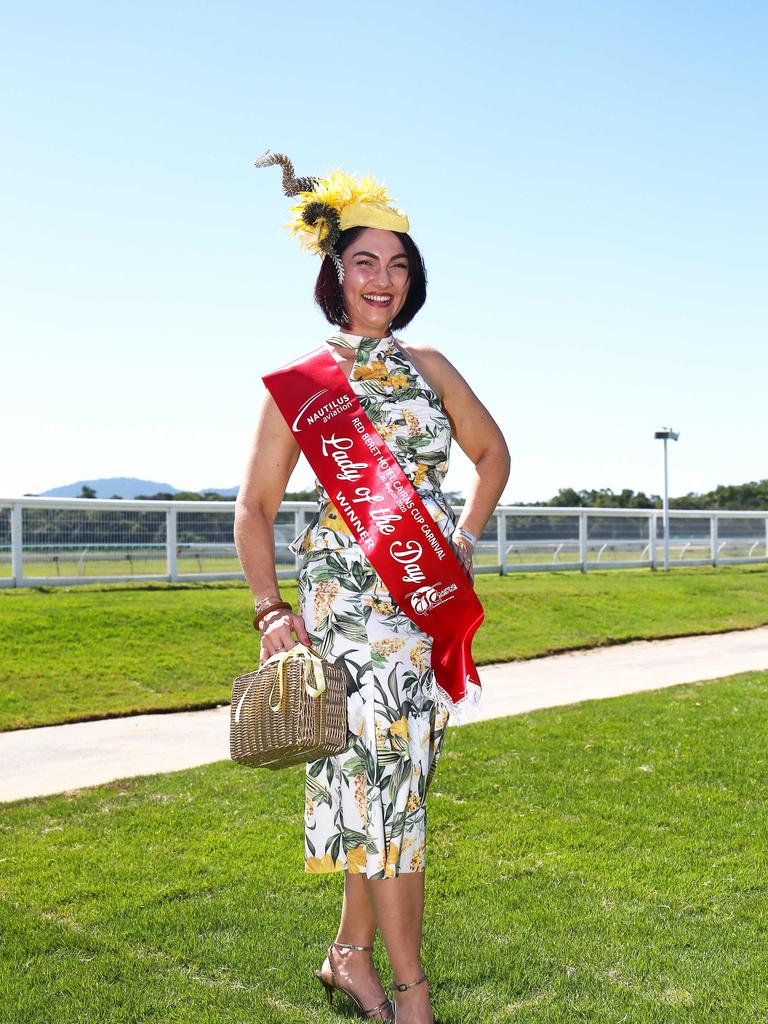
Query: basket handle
pixel 281 657
pixel 300 650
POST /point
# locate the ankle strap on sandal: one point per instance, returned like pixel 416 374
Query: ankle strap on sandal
pixel 402 988
pixel 349 945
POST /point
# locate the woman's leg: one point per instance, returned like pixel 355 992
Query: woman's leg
pixel 399 911
pixel 357 926
pixel 358 923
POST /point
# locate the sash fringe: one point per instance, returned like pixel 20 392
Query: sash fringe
pixel 463 711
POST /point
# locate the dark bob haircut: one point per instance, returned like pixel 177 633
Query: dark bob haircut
pixel 329 294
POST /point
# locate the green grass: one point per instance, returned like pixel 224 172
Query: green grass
pixel 604 862
pixel 74 653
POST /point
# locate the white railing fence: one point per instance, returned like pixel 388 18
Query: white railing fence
pixel 49 541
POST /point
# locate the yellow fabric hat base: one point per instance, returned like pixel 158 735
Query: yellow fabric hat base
pixel 373 215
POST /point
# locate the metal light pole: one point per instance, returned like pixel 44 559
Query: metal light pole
pixel 665 434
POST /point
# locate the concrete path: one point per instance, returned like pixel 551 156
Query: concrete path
pixel 52 759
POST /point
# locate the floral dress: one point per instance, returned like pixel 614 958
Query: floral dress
pixel 365 809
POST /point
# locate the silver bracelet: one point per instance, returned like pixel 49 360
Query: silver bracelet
pixel 461 532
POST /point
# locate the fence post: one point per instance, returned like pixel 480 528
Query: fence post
pixel 713 538
pixel 170 543
pixel 298 526
pixel 501 541
pixel 652 537
pixel 583 550
pixel 17 558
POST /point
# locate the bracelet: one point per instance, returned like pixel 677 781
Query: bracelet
pixel 272 607
pixel 461 532
pixel 260 605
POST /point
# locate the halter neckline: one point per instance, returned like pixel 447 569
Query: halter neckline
pixel 354 341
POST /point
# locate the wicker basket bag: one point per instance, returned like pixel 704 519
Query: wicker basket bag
pixel 292 709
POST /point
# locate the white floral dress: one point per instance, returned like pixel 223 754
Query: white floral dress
pixel 365 809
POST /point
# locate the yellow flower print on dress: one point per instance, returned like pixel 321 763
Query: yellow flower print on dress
pixel 412 422
pixel 356 859
pixel 380 606
pixel 420 474
pixel 417 656
pixel 413 802
pixel 324 594
pixel 387 431
pixel 375 370
pixel 381 736
pixel 361 795
pixel 325 863
pixel 400 727
pixel 389 645
pixel 417 857
pixel 390 866
pixel 332 520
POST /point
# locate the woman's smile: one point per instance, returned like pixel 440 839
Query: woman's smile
pixel 376 281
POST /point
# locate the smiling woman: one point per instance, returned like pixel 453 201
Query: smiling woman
pixel 364 277
pixel 365 809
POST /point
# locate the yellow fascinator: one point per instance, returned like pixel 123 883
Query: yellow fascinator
pixel 327 206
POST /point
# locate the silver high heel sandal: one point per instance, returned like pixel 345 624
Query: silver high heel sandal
pixel 385 1006
pixel 402 988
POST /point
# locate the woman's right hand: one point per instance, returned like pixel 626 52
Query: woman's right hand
pixel 276 630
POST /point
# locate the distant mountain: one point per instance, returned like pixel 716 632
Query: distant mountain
pixel 127 487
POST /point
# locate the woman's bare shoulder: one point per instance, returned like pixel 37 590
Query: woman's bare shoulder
pixel 434 367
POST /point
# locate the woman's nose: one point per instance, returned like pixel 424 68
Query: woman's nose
pixel 382 276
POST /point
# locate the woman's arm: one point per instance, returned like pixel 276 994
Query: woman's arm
pixel 475 431
pixel 271 460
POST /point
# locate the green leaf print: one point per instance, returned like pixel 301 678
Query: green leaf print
pixel 400 775
pixel 366 346
pixel 352 839
pixel 334 844
pixel 429 458
pixel 317 766
pixel 348 626
pixel 388 756
pixel 326 573
pixel 353 766
pixel 317 793
pixel 398 824
pixel 422 788
pixel 416 441
pixel 362 576
pixel 378 660
pixel 393 689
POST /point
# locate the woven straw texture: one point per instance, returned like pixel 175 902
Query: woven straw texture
pixel 302 729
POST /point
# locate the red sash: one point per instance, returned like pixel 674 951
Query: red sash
pixel 386 516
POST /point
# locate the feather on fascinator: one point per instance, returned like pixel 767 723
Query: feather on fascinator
pixel 327 206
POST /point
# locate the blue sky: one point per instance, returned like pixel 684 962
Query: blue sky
pixel 586 182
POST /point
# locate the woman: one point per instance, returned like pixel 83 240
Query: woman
pixel 365 810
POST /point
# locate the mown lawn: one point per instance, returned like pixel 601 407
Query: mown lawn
pixel 604 862
pixel 74 653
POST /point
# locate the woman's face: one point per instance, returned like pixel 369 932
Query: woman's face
pixel 376 281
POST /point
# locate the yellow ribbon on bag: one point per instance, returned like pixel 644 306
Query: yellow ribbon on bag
pixel 282 658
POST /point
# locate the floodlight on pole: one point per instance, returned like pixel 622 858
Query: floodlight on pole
pixel 666 434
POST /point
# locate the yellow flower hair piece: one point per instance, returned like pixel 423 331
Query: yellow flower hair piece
pixel 327 206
